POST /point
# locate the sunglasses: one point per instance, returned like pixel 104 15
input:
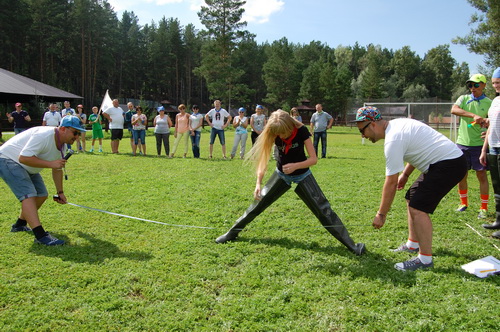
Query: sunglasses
pixel 362 130
pixel 475 85
pixel 75 132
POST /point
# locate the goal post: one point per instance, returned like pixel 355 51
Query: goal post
pixel 436 115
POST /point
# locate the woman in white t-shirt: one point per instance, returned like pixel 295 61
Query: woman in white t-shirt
pixel 139 122
pixel 240 122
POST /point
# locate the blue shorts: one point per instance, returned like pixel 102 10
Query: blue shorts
pixel 23 184
pixel 472 154
pixel 217 132
pixel 139 134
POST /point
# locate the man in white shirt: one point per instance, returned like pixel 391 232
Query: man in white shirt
pixel 23 157
pixel 442 164
pixel 52 117
pixel 67 110
pixel 215 119
pixel 115 116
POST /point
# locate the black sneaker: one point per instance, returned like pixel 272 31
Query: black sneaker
pixel 15 228
pixel 412 265
pixel 405 248
pixel 49 240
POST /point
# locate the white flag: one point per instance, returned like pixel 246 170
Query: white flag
pixel 106 102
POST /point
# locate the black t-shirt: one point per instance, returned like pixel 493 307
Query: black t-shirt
pixel 296 152
pixel 19 121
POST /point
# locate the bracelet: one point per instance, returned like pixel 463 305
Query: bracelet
pixel 380 214
pixel 60 192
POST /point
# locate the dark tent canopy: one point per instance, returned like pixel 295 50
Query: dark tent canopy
pixel 11 83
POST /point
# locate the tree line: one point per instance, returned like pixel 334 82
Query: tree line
pixel 81 46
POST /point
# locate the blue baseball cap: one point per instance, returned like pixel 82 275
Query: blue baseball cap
pixel 73 122
pixel 242 109
pixel 160 108
pixel 368 113
pixel 260 107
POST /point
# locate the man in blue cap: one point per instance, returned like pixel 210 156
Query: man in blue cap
pixel 23 157
pixel 442 165
pixel 491 150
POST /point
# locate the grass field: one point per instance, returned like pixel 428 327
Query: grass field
pixel 285 273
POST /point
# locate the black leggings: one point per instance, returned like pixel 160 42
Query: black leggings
pixel 166 144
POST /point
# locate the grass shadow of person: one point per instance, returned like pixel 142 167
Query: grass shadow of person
pixel 370 265
pixel 95 252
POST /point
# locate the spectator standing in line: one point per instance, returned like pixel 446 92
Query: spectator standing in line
pixel 115 116
pixel 291 138
pixel 162 124
pixel 442 166
pixel 52 117
pixel 80 141
pixel 195 123
pixel 295 114
pixel 320 123
pixel 492 141
pixel 215 119
pixel 240 123
pixel 473 111
pixel 20 118
pixel 23 157
pixel 96 121
pixel 67 110
pixel 181 133
pixel 139 122
pixel 257 122
pixel 128 122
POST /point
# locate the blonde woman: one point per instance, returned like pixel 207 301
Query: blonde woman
pixel 80 141
pixel 295 114
pixel 291 138
pixel 182 132
pixel 240 123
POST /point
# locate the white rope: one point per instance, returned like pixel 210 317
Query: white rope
pixel 494 245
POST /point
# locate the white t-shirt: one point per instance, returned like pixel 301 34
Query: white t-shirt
pixel 67 111
pixel 116 114
pixel 408 140
pixel 195 120
pixel 494 116
pixel 218 117
pixel 52 118
pixel 36 141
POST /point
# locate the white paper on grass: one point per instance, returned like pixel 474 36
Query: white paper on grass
pixel 483 267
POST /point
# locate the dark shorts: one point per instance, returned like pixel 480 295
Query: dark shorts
pixel 116 134
pixel 430 188
pixel 472 154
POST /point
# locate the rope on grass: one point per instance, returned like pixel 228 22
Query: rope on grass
pixel 136 218
pixel 481 235
pixel 200 227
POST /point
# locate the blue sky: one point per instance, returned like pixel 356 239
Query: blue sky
pixel 420 24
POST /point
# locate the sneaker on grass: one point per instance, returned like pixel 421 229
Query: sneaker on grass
pixel 461 208
pixel 412 265
pixel 49 240
pixel 404 247
pixel 482 214
pixel 20 229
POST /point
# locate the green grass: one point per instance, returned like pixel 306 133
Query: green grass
pixel 284 273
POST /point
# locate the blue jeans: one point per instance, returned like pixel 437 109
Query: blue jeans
pixel 23 184
pixel 293 178
pixel 317 136
pixel 139 134
pixel 19 130
pixel 495 151
pixel 217 132
pixel 195 141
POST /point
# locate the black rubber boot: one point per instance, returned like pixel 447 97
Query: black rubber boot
pixel 310 192
pixel 495 181
pixel 273 189
pixel 496 235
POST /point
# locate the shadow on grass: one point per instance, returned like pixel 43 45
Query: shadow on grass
pixel 97 251
pixel 370 265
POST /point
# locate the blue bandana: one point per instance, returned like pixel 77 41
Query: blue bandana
pixel 478 99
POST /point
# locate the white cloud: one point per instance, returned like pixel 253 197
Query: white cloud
pixel 259 11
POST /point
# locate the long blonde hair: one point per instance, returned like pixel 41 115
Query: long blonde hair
pixel 279 123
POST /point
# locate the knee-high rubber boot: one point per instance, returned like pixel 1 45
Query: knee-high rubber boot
pixel 273 189
pixel 310 192
pixel 495 181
